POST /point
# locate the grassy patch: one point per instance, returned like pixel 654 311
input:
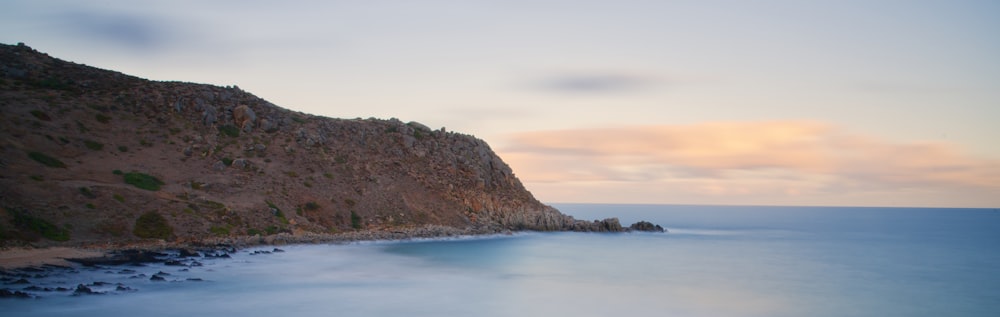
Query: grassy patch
pixel 22 220
pixel 230 131
pixel 122 148
pixel 102 118
pixel 219 231
pixel 356 221
pixel 41 115
pixel 152 225
pixel 143 181
pixel 46 160
pixel 86 192
pixel 119 198
pixel 227 161
pixel 93 145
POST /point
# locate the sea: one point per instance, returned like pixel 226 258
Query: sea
pixel 714 261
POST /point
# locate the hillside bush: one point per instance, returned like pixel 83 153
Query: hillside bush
pixel 152 225
pixel 143 181
pixel 46 160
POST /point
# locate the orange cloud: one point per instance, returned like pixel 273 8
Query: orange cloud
pixel 786 158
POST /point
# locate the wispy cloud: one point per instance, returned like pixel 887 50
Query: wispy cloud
pixel 595 82
pixel 136 32
pixel 790 157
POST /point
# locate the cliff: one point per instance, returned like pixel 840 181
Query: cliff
pixel 90 155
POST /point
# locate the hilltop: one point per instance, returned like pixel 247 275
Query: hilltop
pixel 93 156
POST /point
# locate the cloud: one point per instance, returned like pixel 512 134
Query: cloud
pixel 132 31
pixel 597 82
pixel 781 158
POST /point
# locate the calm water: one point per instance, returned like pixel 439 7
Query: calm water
pixel 716 261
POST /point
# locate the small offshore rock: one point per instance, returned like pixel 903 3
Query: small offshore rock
pixel 157 278
pixel 646 226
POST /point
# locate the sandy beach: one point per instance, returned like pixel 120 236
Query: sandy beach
pixel 20 257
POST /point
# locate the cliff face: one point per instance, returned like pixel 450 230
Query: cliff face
pixel 94 155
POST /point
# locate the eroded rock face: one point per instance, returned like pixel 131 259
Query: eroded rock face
pixel 266 171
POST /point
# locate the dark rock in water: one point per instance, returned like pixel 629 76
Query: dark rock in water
pixel 646 226
pixel 162 273
pixel 195 263
pixel 134 257
pixel 126 271
pixel 123 288
pixel 185 253
pixel 99 283
pixel 62 289
pixel 174 263
pixel 84 290
pixel 276 250
pixel 195 279
pixel 260 252
pixel 20 281
pixel 6 293
pixel 138 276
pixel 157 278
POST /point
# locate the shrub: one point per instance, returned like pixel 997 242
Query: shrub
pixel 219 231
pixel 46 160
pixel 311 206
pixel 122 148
pixel 152 225
pixel 227 161
pixel 143 181
pixel 355 220
pixel 93 145
pixel 117 172
pixel 38 226
pixel 229 130
pixel 102 118
pixel 41 115
pixel 86 192
pixel 119 198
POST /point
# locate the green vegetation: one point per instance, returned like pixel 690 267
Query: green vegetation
pixel 85 191
pixel 229 130
pixel 117 172
pixel 102 118
pixel 340 159
pixel 41 115
pixel 93 145
pixel 46 160
pixel 271 230
pixel 328 175
pixel 227 161
pixel 143 181
pixel 37 178
pixel 38 226
pixel 90 206
pixel 311 206
pixel 196 185
pixel 122 148
pixel 355 220
pixel 350 202
pixel 152 225
pixel 51 83
pixel 219 231
pixel 119 198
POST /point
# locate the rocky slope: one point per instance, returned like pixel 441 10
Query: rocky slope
pixel 91 156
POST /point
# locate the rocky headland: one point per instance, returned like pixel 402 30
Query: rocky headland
pixel 95 158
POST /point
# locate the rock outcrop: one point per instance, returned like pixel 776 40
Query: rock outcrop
pixel 85 153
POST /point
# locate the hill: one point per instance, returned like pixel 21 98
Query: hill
pixel 95 156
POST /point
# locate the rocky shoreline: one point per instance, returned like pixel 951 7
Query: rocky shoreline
pixel 22 280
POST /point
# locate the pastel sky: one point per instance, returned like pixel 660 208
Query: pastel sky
pixel 852 103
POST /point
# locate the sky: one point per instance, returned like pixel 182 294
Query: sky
pixel 846 103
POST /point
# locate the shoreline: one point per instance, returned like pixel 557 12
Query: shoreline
pixel 22 257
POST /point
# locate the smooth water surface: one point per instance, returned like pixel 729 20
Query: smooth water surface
pixel 716 261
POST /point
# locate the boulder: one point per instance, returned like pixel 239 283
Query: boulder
pixel 244 118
